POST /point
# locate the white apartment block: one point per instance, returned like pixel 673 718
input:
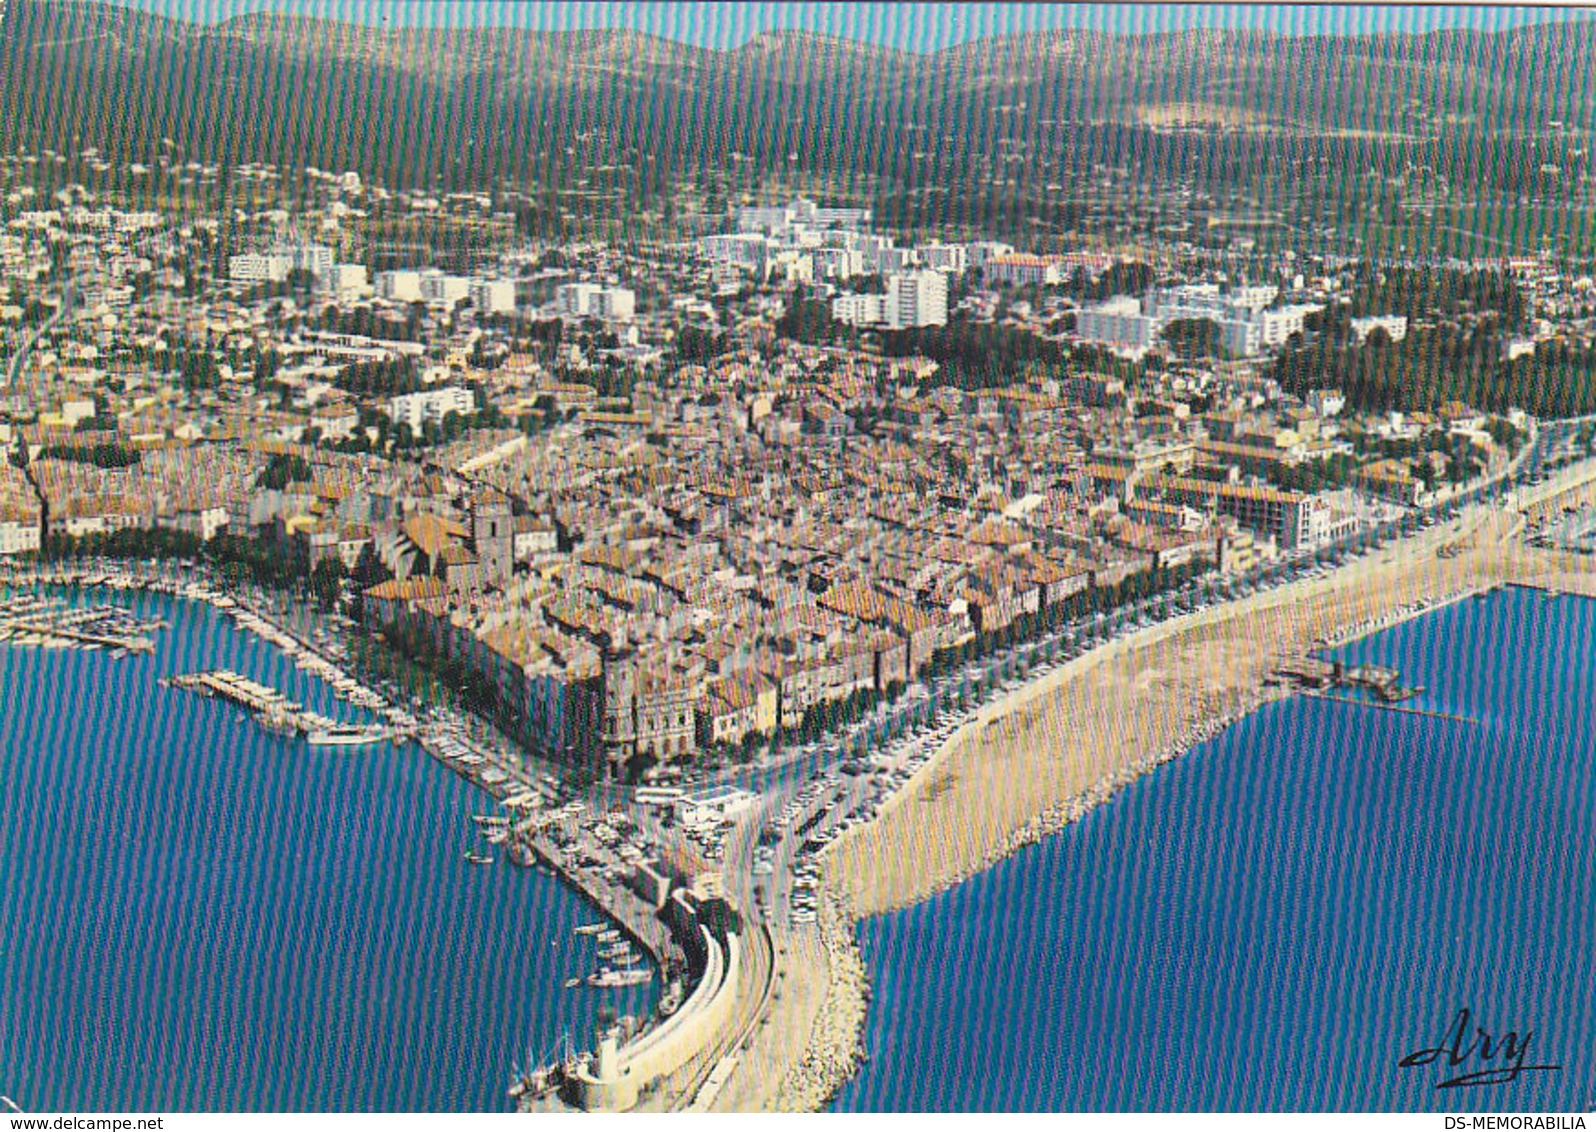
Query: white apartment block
pixel 493 296
pixel 892 260
pixel 589 300
pixel 837 263
pixel 440 289
pixel 575 300
pixel 1022 270
pixel 1118 322
pixel 746 251
pixel 982 250
pixel 1395 326
pixel 343 279
pixel 1245 328
pixel 18 534
pixel 800 213
pixel 415 409
pixel 256 267
pixel 399 286
pixel 945 257
pixel 859 310
pixel 1275 326
pixel 918 298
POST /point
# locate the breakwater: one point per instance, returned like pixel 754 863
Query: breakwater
pixel 834 1050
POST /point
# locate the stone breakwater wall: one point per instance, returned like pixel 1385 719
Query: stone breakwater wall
pixel 835 1049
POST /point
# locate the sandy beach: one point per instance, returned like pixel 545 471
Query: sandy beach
pixel 1039 758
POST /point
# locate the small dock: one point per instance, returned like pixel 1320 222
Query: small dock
pixel 238 689
pixel 1313 675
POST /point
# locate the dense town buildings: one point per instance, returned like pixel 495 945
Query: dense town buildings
pixel 649 520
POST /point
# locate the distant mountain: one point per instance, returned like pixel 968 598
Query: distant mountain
pixel 473 105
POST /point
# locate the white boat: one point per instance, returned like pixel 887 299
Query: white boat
pixel 345 736
pixel 609 977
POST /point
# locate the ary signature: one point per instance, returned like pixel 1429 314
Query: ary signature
pixel 1503 1058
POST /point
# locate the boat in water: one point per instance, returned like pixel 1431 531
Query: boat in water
pixel 278 723
pixel 345 736
pixel 610 977
pixel 609 936
pixel 478 858
pixel 589 929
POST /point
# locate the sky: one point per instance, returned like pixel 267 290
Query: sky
pixel 910 27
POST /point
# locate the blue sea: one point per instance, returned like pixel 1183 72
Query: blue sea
pixel 198 915
pixel 1278 919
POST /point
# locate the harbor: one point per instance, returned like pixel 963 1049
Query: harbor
pixel 669 929
pixel 446 740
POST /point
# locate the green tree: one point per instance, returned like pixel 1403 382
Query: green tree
pixel 1193 338
pixel 327 581
pixel 282 470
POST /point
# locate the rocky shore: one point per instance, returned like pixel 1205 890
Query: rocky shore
pixel 835 1049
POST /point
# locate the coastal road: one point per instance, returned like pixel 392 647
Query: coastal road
pixel 754 989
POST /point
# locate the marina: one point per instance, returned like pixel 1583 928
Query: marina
pixel 356 824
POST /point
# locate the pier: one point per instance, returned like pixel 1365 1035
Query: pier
pixel 26 619
pixel 705 954
pixel 276 712
pixel 1450 717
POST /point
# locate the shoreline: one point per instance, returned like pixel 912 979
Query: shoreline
pixel 1408 583
pixel 448 747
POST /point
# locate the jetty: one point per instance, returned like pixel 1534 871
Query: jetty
pixel 29 619
pixel 1428 713
pixel 276 712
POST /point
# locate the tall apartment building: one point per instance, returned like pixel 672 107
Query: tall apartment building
pixel 952 258
pixel 615 303
pixel 1119 322
pixel 918 298
pixel 859 310
pixel 590 300
pixel 444 290
pixel 275 265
